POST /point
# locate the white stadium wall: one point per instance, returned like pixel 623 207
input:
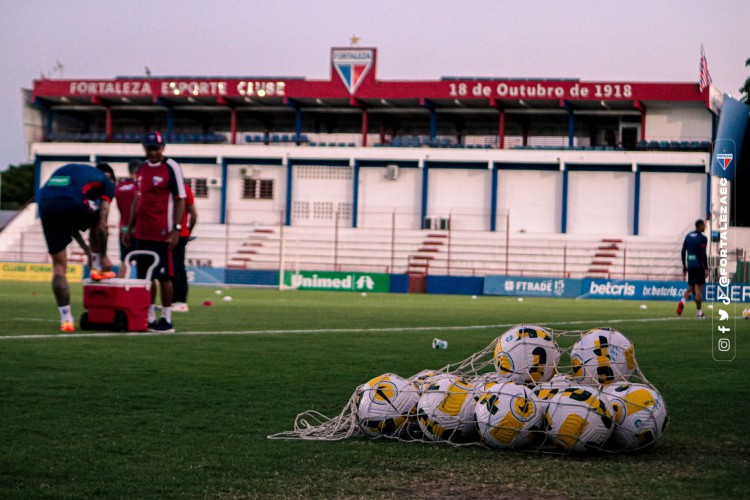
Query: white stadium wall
pixel 670 203
pixel 262 212
pixel 381 197
pixel 678 123
pixel 600 203
pixel 321 193
pixel 531 199
pixel 462 195
pixel 601 192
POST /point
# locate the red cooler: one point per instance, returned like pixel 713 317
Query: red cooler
pixel 119 304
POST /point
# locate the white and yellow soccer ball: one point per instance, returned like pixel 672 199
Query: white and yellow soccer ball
pixel 578 418
pixel 483 382
pixel 526 354
pixel 422 379
pixel 445 411
pixel 507 415
pixel 548 390
pixel 640 415
pixel 384 404
pixel 746 314
pixel 602 356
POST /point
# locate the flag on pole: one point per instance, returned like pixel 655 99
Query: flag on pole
pixel 705 77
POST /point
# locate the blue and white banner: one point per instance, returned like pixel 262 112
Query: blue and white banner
pixel 587 288
pixel 729 138
pixel 520 286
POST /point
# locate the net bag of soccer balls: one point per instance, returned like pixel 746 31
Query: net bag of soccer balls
pixel 532 388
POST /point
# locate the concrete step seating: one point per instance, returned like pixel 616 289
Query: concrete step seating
pixel 471 253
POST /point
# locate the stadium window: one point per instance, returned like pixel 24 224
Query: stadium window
pixel 257 189
pixel 199 186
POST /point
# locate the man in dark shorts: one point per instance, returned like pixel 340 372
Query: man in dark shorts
pixel 695 265
pixel 124 194
pixel 76 198
pixel 155 223
pixel 189 220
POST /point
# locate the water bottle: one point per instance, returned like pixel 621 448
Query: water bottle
pixel 439 344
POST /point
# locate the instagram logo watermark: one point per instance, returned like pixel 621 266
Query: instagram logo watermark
pixel 724 344
pixel 723 327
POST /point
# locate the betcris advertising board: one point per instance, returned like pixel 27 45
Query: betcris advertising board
pixel 589 288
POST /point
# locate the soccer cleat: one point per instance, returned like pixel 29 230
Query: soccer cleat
pixel 680 307
pixel 98 275
pixel 67 327
pixel 180 307
pixel 162 326
pixel 700 314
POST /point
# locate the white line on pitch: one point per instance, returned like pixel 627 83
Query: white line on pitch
pixel 321 330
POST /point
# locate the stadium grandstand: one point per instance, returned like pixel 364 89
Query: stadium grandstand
pixel 461 176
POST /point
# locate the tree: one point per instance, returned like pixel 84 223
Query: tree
pixel 745 89
pixel 17 186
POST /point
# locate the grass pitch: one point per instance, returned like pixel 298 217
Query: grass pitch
pixel 186 416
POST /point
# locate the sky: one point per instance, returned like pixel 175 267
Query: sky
pixel 603 40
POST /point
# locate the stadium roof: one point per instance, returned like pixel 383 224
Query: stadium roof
pixel 353 84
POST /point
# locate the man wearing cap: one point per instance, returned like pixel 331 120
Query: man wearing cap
pixel 155 222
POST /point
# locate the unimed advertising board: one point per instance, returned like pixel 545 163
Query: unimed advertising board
pixel 338 281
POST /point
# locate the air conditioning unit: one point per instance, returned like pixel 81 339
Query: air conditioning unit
pixel 391 172
pixel 436 223
pixel 214 182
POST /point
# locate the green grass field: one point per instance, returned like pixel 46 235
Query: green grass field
pixel 187 416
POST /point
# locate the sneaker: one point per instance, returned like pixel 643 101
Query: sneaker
pixel 700 314
pixel 152 326
pixel 67 327
pixel 180 307
pixel 98 275
pixel 680 307
pixel 162 326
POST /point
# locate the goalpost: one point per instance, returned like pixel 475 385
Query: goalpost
pixel 288 261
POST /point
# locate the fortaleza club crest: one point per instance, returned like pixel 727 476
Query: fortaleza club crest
pixel 352 65
pixel 724 159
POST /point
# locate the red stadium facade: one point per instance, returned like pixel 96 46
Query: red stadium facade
pixel 353 162
pixel 354 101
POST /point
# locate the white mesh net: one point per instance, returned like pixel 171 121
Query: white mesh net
pixel 532 388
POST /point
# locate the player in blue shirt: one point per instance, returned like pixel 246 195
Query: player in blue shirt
pixel 695 265
pixel 76 198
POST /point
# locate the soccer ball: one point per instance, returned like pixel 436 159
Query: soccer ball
pixel 640 415
pixel 746 314
pixel 484 382
pixel 577 418
pixel 526 354
pixel 602 356
pixel 384 404
pixel 548 390
pixel 507 414
pixel 445 411
pixel 422 379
